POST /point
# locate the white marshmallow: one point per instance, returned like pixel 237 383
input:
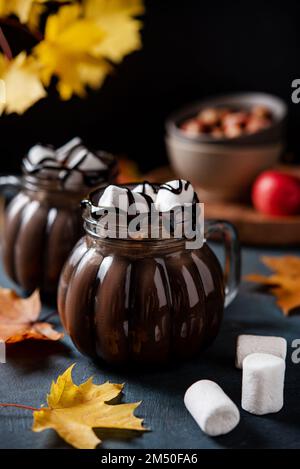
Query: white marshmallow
pixel 140 204
pixel 70 163
pixel 119 197
pixel 92 163
pixel 76 157
pixel 114 196
pixel 263 383
pixel 247 344
pixel 67 147
pixel 39 152
pixel 212 409
pixel 167 200
pixel 147 189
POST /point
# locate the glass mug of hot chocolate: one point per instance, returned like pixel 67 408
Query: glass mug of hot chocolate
pixel 43 222
pixel 140 299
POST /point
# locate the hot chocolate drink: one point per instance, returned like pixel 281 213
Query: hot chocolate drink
pixel 143 300
pixel 43 221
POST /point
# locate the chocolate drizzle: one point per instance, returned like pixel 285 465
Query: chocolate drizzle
pixel 130 197
pixel 132 200
pixel 94 212
pixel 154 187
pixel 73 164
pixel 182 186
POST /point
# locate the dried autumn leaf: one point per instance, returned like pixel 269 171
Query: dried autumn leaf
pixel 20 8
pixel 285 265
pixel 23 87
pixel 116 19
pixel 34 17
pixel 18 318
pixel 67 49
pixel 284 284
pixel 73 411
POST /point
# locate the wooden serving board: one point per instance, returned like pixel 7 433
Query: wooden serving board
pixel 253 227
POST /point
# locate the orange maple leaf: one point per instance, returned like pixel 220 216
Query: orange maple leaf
pixel 19 318
pixel 284 283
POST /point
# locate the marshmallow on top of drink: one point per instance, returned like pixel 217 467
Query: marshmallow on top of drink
pixel 122 199
pixel 72 164
pixel 174 194
pixel 165 197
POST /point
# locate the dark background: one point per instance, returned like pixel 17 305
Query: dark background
pixel 191 49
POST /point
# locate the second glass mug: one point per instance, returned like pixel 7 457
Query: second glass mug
pixel 40 226
pixel 146 301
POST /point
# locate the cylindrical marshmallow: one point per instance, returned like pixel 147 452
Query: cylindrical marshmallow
pixel 212 409
pixel 248 344
pixel 263 383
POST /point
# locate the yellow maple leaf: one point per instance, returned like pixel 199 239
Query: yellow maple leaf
pixel 283 283
pixel 34 16
pixel 115 18
pixel 20 8
pixel 73 411
pixel 22 84
pixel 66 52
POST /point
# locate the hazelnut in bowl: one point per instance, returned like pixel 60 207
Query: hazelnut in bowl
pixel 222 143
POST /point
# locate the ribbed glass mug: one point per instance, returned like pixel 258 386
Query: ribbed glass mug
pixel 41 224
pixel 146 301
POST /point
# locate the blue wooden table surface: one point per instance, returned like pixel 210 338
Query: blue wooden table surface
pixel 30 368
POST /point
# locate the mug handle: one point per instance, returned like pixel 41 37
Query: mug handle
pixel 232 266
pixel 8 183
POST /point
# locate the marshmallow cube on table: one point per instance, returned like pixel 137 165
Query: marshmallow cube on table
pixel 248 344
pixel 212 409
pixel 263 383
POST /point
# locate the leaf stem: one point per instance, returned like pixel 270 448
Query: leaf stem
pixel 20 406
pixel 5 45
pixel 22 27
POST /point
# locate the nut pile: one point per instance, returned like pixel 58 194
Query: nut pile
pixel 227 123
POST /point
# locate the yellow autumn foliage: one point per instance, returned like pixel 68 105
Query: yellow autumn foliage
pixel 73 411
pixel 81 43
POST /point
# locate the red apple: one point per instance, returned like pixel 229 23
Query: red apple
pixel 276 193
